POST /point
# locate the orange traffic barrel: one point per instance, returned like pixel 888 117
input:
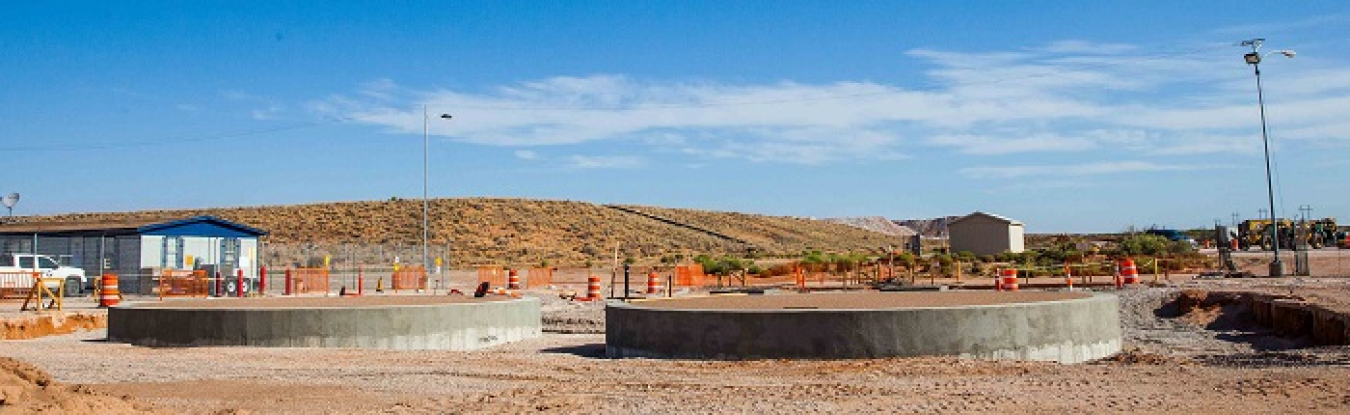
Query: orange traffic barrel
pixel 513 280
pixel 1009 280
pixel 1128 273
pixel 108 293
pixel 593 287
pixel 654 284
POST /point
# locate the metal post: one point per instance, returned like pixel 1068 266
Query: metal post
pixel 1276 266
pixel 425 146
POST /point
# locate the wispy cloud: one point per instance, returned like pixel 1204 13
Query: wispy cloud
pixel 1008 172
pixel 270 112
pixel 1070 96
pixel 526 155
pixel 604 162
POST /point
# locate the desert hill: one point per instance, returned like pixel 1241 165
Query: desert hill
pixel 876 224
pixel 520 231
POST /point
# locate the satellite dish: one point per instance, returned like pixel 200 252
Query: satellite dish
pixel 10 200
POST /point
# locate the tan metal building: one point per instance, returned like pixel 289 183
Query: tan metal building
pixel 986 234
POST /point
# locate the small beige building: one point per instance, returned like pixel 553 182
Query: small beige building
pixel 986 234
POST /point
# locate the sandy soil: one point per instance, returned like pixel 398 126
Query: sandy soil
pixel 1177 359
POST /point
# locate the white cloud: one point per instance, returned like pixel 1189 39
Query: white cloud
pixel 1011 172
pixel 271 112
pixel 985 145
pixel 1062 97
pixel 604 162
pixel 526 155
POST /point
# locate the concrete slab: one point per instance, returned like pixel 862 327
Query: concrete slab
pixel 1052 326
pixel 396 322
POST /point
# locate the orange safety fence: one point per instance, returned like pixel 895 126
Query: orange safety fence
pixel 539 277
pixel 309 280
pixel 409 278
pixel 494 276
pixel 17 285
pixel 689 275
pixel 182 283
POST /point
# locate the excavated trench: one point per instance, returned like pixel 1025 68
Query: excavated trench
pixel 1290 317
pixel 1268 330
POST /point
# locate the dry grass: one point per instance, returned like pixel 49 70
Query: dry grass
pixel 499 230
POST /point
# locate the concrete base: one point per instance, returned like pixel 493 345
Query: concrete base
pixel 1065 331
pixel 434 326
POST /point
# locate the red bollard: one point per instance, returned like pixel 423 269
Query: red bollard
pixel 262 281
pixel 360 279
pixel 220 285
pixel 287 290
pixel 239 282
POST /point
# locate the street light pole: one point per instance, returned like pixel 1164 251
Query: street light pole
pixel 426 140
pixel 1254 59
pixel 426 144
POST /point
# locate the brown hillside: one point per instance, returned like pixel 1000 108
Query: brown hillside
pixel 516 231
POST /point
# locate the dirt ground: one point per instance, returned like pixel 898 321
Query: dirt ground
pixel 1176 359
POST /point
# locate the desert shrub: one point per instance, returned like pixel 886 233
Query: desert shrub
pixel 1142 244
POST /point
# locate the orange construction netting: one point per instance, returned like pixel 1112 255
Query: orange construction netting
pixel 409 278
pixel 309 280
pixel 183 283
pixel 539 277
pixel 689 275
pixel 493 275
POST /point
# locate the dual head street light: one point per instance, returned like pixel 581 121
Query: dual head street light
pixel 1254 59
pixel 426 139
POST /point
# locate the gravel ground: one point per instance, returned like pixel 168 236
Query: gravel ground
pixel 1196 362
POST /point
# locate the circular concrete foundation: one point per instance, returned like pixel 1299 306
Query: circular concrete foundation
pixel 380 322
pixel 1053 326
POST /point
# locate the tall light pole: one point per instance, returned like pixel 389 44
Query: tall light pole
pixel 426 144
pixel 1254 59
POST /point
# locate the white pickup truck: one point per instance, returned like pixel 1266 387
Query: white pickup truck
pixel 76 282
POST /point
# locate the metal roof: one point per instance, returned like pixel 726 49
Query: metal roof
pixel 1004 219
pixel 176 226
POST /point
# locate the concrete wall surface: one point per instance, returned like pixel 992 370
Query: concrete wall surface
pixel 464 326
pixel 1066 331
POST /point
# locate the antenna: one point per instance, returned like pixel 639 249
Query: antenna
pixel 10 200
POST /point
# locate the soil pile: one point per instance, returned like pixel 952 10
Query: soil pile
pixel 34 326
pixel 26 389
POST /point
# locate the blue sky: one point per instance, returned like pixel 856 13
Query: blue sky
pixel 1090 117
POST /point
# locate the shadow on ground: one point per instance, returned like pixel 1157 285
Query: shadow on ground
pixel 589 351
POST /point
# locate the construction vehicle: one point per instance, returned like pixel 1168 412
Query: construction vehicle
pixel 1256 233
pixel 1322 232
pixel 1315 233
